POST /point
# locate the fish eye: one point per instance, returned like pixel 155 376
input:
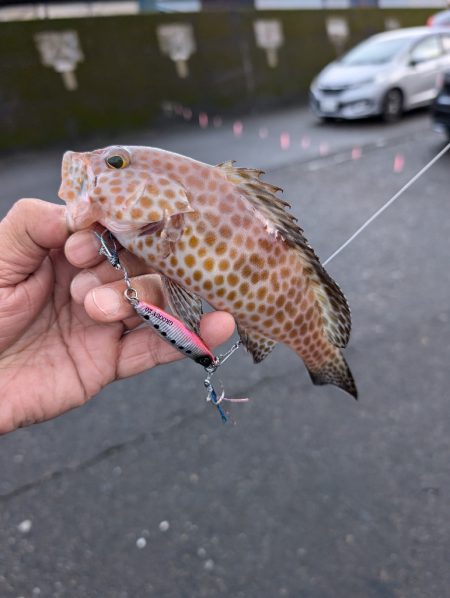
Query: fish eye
pixel 117 162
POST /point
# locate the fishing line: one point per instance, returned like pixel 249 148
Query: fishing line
pixel 387 204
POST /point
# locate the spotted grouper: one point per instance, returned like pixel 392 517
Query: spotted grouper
pixel 221 234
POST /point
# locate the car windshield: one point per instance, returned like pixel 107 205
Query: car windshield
pixel 442 18
pixel 375 52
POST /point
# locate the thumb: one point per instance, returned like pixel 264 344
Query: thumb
pixel 30 229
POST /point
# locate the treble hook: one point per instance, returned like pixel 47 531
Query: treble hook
pixel 112 255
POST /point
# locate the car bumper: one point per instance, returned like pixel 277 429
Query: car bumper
pixel 440 111
pixel 350 104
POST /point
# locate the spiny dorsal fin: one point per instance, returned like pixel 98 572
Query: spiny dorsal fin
pixel 279 222
pixel 258 345
pixel 186 305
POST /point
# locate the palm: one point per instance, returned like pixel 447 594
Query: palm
pixel 61 354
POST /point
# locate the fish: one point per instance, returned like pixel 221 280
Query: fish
pixel 220 234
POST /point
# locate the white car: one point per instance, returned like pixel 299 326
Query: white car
pixel 385 75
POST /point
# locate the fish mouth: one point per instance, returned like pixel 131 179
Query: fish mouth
pixel 77 179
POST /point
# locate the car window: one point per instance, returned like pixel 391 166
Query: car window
pixel 445 38
pixel 375 52
pixel 442 19
pixel 426 49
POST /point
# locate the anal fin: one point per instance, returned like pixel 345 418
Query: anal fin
pixel 257 344
pixel 186 305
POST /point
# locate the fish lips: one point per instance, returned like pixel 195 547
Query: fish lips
pixel 77 179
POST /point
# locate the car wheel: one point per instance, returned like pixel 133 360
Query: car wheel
pixel 392 106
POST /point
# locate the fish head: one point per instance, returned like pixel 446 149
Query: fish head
pixel 117 187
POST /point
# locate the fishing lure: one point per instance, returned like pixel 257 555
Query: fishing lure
pixel 171 329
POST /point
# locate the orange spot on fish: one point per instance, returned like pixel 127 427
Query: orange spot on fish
pixel 225 231
pixel 210 238
pixel 261 293
pixel 246 271
pixel 213 219
pixel 189 260
pixel 221 248
pixel 208 264
pixel 244 288
pixel 232 279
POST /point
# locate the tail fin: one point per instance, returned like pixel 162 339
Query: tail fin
pixel 335 371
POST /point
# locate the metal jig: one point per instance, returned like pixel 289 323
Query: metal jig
pixel 131 295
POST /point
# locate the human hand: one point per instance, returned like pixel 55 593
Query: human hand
pixel 62 329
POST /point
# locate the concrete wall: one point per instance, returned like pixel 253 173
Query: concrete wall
pixel 124 78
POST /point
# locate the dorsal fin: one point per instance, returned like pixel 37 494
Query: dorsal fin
pixel 272 211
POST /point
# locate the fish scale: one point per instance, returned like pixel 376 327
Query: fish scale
pixel 219 233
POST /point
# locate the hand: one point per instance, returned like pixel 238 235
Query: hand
pixel 61 329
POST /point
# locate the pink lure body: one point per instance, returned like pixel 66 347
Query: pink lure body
pixel 176 333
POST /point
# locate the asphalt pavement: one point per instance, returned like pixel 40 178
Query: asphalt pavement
pixel 305 493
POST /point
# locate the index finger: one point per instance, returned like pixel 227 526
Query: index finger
pixel 27 233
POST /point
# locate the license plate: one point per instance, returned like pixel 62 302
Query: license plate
pixel 328 105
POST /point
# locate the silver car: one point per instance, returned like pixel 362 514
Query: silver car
pixel 386 75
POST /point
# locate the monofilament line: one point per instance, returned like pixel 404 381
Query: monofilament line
pixel 387 204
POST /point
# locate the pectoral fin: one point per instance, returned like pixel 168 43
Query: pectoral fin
pixel 158 198
pixel 186 305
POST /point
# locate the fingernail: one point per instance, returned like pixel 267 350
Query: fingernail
pixel 82 247
pixel 107 300
pixel 82 284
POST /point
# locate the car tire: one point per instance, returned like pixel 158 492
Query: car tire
pixel 392 107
